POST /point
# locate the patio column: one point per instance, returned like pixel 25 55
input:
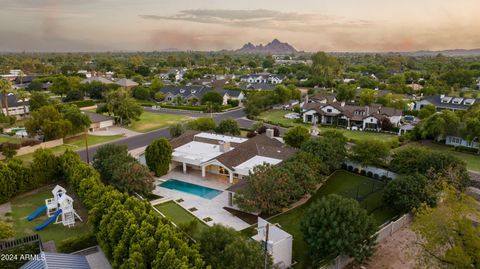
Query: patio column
pixel 184 167
pixel 230 174
pixel 203 171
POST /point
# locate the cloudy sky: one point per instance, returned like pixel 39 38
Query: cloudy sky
pixel 310 25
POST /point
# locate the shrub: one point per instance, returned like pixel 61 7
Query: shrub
pixel 158 156
pixel 369 174
pixel 350 168
pixel 363 172
pixel 251 134
pixel 82 103
pixel 344 166
pixel 356 170
pixel 30 142
pixel 376 176
pixel 45 166
pixel 77 243
pixel 233 102
pixel 384 178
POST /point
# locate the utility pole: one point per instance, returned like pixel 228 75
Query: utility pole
pixel 86 145
pixel 266 246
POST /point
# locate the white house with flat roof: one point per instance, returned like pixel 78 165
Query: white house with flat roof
pixel 229 158
pixel 279 243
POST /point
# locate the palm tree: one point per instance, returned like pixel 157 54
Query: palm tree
pixel 23 95
pixel 5 88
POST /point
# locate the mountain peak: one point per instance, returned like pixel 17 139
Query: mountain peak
pixel 275 46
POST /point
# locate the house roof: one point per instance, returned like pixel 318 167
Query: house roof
pixel 12 100
pixel 450 102
pixel 259 145
pixel 197 91
pixel 57 261
pixel 96 117
pixel 99 79
pixel 125 82
pixel 258 86
pixel 354 112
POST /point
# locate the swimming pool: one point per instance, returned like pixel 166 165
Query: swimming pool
pixel 194 189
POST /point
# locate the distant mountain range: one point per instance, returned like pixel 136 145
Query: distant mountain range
pixel 274 47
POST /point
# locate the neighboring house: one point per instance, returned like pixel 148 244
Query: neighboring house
pixel 189 93
pixel 12 74
pixel 460 142
pixel 85 73
pixel 230 157
pixel 257 86
pixel 99 121
pixel 176 74
pixel 98 79
pixel 327 111
pixel 15 106
pixel 23 80
pixel 442 102
pixel 263 78
pixel 415 86
pixel 126 83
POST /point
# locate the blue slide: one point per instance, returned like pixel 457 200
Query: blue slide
pixel 52 219
pixel 40 210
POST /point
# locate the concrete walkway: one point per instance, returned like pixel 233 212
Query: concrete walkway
pixel 205 207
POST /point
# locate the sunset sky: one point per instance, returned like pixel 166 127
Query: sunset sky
pixel 310 25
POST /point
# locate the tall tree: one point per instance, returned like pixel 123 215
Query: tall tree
pixel 79 120
pixel 23 95
pixel 336 226
pixel 329 148
pixel 449 237
pixel 48 122
pixel 228 126
pixel 296 136
pixel 122 106
pixel 5 88
pixel 158 156
pixel 370 152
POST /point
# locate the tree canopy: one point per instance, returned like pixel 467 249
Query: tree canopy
pixel 158 156
pixel 296 136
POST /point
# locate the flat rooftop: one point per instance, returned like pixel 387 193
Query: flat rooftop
pixel 220 137
pixel 198 152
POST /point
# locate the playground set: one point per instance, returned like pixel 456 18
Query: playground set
pixel 59 209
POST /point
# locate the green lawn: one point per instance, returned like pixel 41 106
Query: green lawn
pixel 24 205
pixel 472 160
pixel 151 121
pixel 277 117
pixel 9 139
pixel 343 183
pixel 74 143
pixel 180 216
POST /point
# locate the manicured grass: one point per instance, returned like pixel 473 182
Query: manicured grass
pixel 180 216
pixel 472 160
pixel 343 183
pixel 24 205
pixel 74 143
pixel 277 117
pixel 151 121
pixel 9 139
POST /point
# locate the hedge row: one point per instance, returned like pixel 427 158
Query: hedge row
pixel 193 108
pixel 77 243
pixel 82 103
pixel 130 233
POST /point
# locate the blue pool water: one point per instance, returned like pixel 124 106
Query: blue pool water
pixel 197 190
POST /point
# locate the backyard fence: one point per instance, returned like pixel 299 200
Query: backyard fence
pixel 370 169
pixel 6 245
pixel 386 230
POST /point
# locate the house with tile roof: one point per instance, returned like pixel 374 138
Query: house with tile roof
pixel 16 107
pixel 126 83
pixel 263 78
pixel 326 110
pixel 442 102
pixel 228 156
pixel 98 79
pixel 196 92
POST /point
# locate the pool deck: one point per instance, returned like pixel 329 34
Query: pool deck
pixel 205 208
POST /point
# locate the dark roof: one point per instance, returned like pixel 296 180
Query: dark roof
pixel 258 86
pixel 328 97
pixel 95 117
pixel 183 139
pixel 23 79
pixel 58 261
pixel 239 186
pixel 196 91
pixel 259 145
pixel 12 100
pixel 437 101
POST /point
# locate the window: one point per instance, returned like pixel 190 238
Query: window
pixel 222 170
pixel 329 110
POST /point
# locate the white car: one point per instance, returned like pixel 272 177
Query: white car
pixel 292 116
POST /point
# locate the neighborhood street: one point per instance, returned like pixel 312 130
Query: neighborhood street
pixel 145 139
